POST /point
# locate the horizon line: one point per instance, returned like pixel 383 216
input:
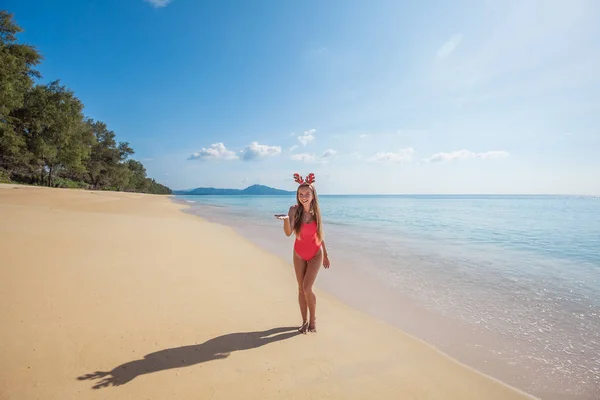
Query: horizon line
pixel 415 194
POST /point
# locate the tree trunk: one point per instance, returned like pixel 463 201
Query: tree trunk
pixel 50 176
pixel 94 180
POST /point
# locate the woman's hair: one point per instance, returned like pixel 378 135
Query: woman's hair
pixel 314 208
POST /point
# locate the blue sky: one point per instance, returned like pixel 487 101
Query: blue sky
pixel 371 96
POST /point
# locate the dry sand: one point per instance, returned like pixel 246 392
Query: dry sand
pixel 124 296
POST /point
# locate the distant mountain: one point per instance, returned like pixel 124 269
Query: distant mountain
pixel 250 190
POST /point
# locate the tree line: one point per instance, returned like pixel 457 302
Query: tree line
pixel 45 139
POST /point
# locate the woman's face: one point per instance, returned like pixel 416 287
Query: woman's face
pixel 305 195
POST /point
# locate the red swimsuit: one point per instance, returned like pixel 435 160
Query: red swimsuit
pixel 307 244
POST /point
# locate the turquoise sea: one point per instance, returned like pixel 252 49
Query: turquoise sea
pixel 507 284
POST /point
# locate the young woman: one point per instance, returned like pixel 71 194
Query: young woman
pixel 304 220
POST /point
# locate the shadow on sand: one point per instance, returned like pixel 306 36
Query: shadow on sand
pixel 178 357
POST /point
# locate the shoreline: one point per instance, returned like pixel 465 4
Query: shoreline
pixel 372 309
pixel 400 312
pixel 128 296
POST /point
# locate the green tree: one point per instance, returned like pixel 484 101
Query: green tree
pixel 138 181
pixel 157 188
pixel 105 166
pixel 51 121
pixel 44 136
pixel 17 62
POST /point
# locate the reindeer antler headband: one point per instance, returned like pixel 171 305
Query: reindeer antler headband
pixel 310 179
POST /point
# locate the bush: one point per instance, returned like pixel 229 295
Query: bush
pixel 4 176
pixel 68 183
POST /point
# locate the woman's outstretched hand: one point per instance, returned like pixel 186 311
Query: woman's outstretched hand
pixel 281 216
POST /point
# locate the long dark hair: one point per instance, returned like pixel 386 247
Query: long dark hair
pixel 314 208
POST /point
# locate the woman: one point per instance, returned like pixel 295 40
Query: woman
pixel 309 247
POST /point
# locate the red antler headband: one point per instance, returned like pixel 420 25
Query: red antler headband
pixel 310 179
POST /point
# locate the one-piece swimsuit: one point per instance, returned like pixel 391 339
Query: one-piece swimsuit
pixel 307 244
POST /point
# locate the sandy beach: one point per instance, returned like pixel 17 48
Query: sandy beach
pixel 125 296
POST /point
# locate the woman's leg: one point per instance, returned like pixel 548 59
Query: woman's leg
pixel 310 276
pixel 300 269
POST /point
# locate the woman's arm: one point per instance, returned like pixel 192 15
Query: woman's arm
pixel 287 224
pixel 325 256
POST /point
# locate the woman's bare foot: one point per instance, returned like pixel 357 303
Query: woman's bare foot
pixel 312 327
pixel 303 327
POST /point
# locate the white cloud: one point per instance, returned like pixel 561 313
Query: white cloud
pixel 216 151
pixel 465 154
pixel 449 46
pixel 307 137
pixel 310 158
pixel 401 156
pixel 328 153
pixel 294 147
pixel 363 135
pixel 158 3
pixel 305 157
pixel 257 151
pixel 525 46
